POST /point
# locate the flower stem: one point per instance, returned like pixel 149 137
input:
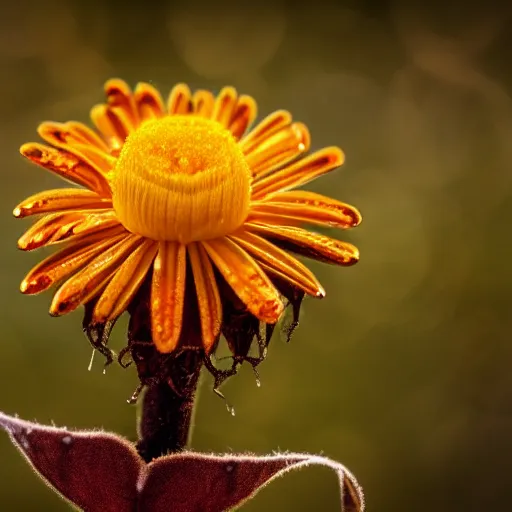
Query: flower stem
pixel 167 407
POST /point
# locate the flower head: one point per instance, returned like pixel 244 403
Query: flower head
pixel 182 216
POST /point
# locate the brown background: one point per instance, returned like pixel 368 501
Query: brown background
pixel 403 372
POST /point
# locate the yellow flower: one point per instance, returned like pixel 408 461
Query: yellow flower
pixel 181 196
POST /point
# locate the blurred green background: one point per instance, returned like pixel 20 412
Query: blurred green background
pixel 403 372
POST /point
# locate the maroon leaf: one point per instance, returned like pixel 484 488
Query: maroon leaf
pixel 98 471
pixel 195 482
pixel 94 470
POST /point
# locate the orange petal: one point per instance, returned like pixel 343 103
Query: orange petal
pixel 224 107
pixel 286 265
pixel 113 124
pixel 149 101
pixel 304 206
pixel 80 131
pixel 49 229
pixel 243 116
pixel 312 245
pixel 61 199
pixel 57 134
pixel 70 133
pixel 103 162
pixel 299 173
pixel 67 261
pixel 278 149
pixel 58 227
pixel 87 283
pixel 168 295
pixel 119 96
pixel 208 298
pixel 246 278
pixel 124 285
pixel 68 166
pixel 203 102
pixel 180 100
pixel 96 221
pixel 266 127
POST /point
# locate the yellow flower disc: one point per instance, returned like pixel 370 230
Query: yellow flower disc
pixel 181 178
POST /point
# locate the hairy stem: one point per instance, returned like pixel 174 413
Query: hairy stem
pixel 167 407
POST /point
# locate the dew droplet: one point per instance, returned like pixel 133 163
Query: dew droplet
pixel 230 409
pixel 23 440
pixel 256 376
pixel 89 368
pixel 135 395
pixel 67 440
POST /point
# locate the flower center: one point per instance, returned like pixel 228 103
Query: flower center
pixel 181 178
